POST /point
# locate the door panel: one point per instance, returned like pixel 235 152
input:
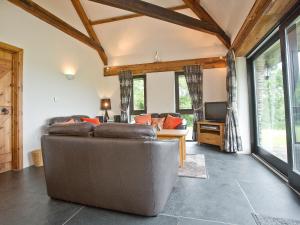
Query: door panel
pixel 292 39
pixel 6 62
pixel 269 104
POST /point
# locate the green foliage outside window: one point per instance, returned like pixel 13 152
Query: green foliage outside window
pixel 185 101
pixel 138 94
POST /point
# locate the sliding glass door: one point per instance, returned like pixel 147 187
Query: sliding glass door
pixel 275 90
pixel 270 127
pixel 291 39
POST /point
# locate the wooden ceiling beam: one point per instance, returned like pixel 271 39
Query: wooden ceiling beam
pixel 264 15
pixel 158 12
pixel 85 20
pixel 46 16
pixel 130 16
pixel 202 14
pixel 255 13
pixel 139 69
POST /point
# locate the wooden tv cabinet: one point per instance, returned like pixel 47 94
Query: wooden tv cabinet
pixel 211 133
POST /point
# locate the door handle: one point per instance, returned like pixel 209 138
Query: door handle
pixel 4 111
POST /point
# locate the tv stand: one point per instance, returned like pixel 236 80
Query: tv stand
pixel 211 133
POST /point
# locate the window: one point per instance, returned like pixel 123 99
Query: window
pixel 138 96
pixel 183 99
pixel 184 102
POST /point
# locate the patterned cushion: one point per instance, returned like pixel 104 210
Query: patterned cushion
pixel 157 123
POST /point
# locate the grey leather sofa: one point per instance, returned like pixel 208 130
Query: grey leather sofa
pixel 113 166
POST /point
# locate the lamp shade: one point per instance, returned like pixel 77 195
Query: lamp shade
pixel 105 104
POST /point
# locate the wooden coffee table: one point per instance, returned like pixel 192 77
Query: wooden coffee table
pixel 175 134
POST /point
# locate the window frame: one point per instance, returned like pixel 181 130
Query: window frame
pixel 138 112
pixel 177 103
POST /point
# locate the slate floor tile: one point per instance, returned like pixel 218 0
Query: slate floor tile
pixel 34 209
pixel 187 221
pixel 273 199
pixel 93 216
pixel 209 200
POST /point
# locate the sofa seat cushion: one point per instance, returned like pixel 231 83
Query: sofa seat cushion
pixel 125 131
pixel 76 129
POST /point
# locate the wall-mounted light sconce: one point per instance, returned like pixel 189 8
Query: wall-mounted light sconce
pixel 69 73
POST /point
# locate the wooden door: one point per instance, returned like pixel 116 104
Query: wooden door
pixel 6 71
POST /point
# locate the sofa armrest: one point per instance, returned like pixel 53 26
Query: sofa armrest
pixel 181 127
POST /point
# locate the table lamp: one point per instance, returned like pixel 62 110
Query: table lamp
pixel 105 105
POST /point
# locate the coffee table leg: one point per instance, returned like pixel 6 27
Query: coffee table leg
pixel 181 152
pixel 184 148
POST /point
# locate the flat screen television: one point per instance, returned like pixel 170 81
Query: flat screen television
pixel 215 111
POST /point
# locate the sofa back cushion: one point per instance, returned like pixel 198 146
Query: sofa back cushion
pixel 81 129
pixel 125 131
pixel 166 115
pixel 63 119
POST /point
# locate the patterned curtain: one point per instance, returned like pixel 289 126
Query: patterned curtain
pixel 194 79
pixel 125 78
pixel 233 141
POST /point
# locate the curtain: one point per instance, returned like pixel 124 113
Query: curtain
pixel 125 78
pixel 194 79
pixel 233 141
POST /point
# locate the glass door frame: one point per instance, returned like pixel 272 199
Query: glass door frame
pixel 294 178
pixel 276 162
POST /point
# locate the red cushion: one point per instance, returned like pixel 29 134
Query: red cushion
pixel 143 119
pixel 172 122
pixel 91 120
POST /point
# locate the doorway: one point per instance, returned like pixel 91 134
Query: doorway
pixel 11 148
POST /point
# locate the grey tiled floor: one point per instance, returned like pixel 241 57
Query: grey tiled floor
pixel 237 186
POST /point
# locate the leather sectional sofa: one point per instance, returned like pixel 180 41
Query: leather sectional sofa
pixel 113 166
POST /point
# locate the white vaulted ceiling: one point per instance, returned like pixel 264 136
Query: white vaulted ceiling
pixel 136 40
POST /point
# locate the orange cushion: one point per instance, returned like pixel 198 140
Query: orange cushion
pixel 91 120
pixel 172 122
pixel 157 123
pixel 143 119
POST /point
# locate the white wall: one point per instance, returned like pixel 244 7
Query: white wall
pixel 243 103
pixel 161 90
pixel 214 85
pixel 46 52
